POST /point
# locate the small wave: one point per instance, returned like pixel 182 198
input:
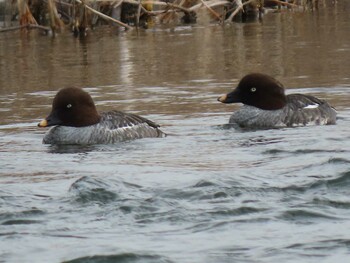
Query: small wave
pixel 320 245
pixel 203 190
pixel 303 214
pixel 220 194
pixel 244 210
pixel 226 126
pixel 303 151
pixel 261 140
pixel 121 258
pixel 103 191
pixel 88 189
pixel 338 160
pixel 340 182
pixel 182 194
pixel 343 180
pixel 331 203
pixel 204 183
pixel 21 222
pixel 64 149
pixel 8 216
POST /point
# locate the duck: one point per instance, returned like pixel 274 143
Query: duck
pixel 74 120
pixel 265 105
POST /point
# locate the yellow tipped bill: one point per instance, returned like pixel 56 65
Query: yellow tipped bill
pixel 222 98
pixel 43 123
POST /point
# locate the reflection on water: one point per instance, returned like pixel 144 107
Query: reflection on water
pixel 208 192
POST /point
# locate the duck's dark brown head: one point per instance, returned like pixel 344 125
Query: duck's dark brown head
pixel 72 107
pixel 258 90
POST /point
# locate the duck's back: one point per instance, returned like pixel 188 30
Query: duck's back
pixel 300 110
pixel 305 109
pixel 128 126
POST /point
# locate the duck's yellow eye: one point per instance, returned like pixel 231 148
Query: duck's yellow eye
pixel 69 106
pixel 253 89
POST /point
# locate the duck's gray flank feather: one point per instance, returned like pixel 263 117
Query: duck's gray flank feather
pixel 114 126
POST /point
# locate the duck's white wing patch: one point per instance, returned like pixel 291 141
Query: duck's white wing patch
pixel 312 106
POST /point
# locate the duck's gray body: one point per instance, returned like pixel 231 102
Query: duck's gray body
pixel 114 126
pixel 300 110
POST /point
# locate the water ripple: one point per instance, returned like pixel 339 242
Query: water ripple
pixel 305 215
pixel 121 258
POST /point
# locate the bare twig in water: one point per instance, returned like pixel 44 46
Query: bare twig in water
pixel 27 26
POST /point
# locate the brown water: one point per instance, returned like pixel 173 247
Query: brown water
pixel 204 194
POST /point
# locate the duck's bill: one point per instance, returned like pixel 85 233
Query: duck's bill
pixel 50 120
pixel 43 123
pixel 223 98
pixel 229 98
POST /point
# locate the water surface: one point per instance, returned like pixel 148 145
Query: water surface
pixel 205 193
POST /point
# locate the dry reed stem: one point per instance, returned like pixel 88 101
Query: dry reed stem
pixel 209 3
pixel 103 15
pixel 239 8
pixel 117 3
pixel 25 15
pixel 186 10
pixel 211 10
pixel 286 4
pixel 27 20
pixel 55 20
pixel 138 13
